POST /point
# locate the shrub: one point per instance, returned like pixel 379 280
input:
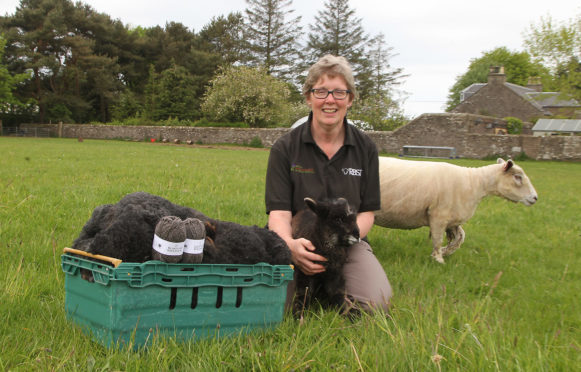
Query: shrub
pixel 204 123
pixel 249 95
pixel 513 125
pixel 256 142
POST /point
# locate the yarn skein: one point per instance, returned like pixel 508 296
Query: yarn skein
pixel 168 242
pixel 194 245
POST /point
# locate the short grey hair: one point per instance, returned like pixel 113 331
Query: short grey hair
pixel 331 66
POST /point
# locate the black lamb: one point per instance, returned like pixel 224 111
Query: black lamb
pixel 126 230
pixel 331 225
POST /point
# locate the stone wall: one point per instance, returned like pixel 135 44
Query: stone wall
pixel 472 136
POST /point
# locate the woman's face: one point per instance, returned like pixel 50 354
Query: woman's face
pixel 329 112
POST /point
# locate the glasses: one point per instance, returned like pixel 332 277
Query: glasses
pixel 322 93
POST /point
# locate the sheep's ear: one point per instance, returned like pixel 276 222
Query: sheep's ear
pixel 500 161
pixel 312 204
pixel 344 202
pixel 508 165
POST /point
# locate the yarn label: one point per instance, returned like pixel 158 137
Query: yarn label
pixel 168 248
pixel 194 246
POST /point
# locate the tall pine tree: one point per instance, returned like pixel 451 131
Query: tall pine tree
pixel 378 105
pixel 382 77
pixel 272 36
pixel 336 30
pixel 224 36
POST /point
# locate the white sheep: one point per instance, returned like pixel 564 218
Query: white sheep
pixel 443 196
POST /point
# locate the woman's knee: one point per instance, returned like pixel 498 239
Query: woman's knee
pixel 365 280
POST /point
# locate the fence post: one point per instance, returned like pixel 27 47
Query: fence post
pixel 60 129
pixel 1 132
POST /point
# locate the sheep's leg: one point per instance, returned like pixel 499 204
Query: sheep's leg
pixel 456 238
pixel 437 234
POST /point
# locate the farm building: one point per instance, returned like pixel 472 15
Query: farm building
pixel 501 99
pixel 553 127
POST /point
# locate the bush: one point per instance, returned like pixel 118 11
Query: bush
pixel 513 125
pixel 256 142
pixel 377 113
pixel 204 123
pixel 249 95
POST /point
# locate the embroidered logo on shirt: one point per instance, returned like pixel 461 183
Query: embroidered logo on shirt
pixel 352 172
pixel 299 169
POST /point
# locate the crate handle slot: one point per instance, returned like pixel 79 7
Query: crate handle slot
pixel 238 296
pixel 219 298
pixel 232 269
pixel 194 298
pixel 114 261
pixel 172 298
pixel 167 280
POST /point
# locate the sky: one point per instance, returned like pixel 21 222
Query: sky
pixel 433 41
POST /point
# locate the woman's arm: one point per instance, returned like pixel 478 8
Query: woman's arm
pixel 301 249
pixel 365 223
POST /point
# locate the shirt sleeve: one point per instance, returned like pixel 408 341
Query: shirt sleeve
pixel 370 192
pixel 278 189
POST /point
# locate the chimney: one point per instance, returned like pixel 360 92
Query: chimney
pixel 535 84
pixel 496 75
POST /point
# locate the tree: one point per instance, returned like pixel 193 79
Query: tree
pixel 246 94
pixel 172 46
pixel 382 76
pixel 378 106
pixel 272 36
pixel 554 45
pixel 558 47
pixel 34 42
pixel 55 40
pixel 8 83
pixel 518 67
pixel 337 31
pixel 175 97
pixel 224 37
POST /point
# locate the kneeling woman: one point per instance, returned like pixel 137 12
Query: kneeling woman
pixel 327 158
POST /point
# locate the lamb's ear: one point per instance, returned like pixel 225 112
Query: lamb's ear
pixel 344 202
pixel 508 165
pixel 311 204
pixel 320 210
pixel 500 161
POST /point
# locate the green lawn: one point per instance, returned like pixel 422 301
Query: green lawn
pixel 508 299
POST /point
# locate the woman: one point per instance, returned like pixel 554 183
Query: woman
pixel 324 158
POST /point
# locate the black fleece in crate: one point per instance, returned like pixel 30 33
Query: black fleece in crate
pixel 125 230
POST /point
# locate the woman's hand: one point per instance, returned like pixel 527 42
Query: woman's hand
pixel 304 258
pixel 301 249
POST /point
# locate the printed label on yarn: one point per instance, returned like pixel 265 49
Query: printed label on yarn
pixel 194 246
pixel 168 248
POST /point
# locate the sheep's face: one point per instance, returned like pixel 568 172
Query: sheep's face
pixel 339 219
pixel 514 184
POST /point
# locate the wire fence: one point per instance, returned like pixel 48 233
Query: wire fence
pixel 26 132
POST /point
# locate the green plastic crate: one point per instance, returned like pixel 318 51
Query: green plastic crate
pixel 133 303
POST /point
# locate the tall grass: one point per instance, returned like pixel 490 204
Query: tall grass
pixel 507 300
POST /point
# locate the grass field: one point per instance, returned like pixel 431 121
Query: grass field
pixel 507 300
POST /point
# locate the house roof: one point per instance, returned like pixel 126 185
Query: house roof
pixel 553 99
pixel 473 88
pixel 525 93
pixel 558 125
pixel 538 99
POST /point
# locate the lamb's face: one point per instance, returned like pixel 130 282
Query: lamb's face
pixel 336 219
pixel 343 221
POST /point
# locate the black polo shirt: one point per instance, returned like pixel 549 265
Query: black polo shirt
pixel 298 168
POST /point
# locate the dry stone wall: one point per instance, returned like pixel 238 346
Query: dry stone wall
pixel 472 136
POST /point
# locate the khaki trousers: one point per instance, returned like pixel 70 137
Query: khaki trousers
pixel 365 280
